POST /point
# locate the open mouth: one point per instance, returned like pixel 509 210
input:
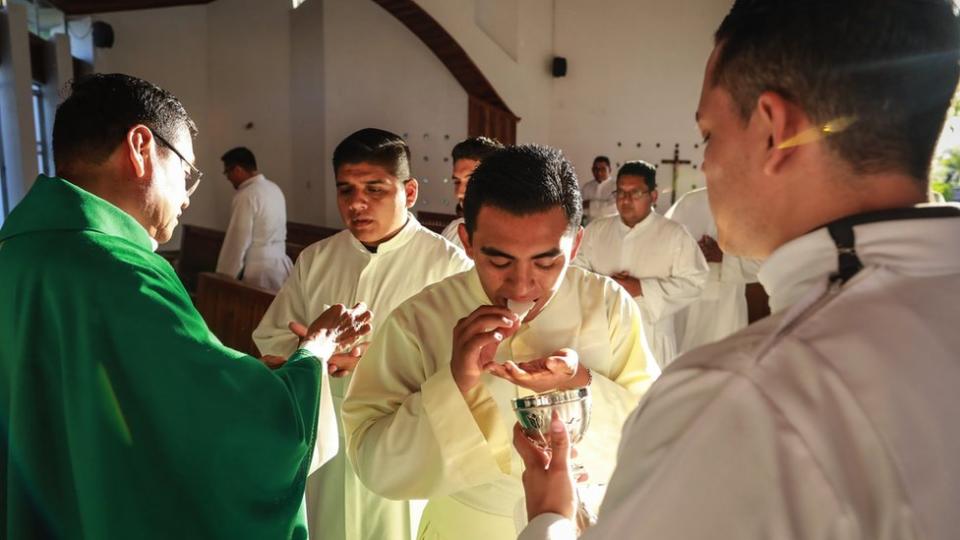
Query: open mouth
pixel 521 307
pixel 361 223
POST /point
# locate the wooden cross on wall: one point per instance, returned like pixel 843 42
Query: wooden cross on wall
pixel 676 162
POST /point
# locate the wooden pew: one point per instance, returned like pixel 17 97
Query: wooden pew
pixel 305 234
pixel 434 221
pixel 232 309
pixel 200 248
pixel 301 235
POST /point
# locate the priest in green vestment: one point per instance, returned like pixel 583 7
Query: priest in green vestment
pixel 121 415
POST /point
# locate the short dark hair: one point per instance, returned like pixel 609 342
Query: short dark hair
pixel 604 159
pixel 101 109
pixel 476 148
pixel 890 65
pixel 375 146
pixel 523 180
pixel 642 169
pixel 240 156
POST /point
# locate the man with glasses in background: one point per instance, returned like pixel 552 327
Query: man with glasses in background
pixel 653 258
pixel 121 415
pixel 255 246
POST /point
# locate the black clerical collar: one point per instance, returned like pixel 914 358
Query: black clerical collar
pixel 841 231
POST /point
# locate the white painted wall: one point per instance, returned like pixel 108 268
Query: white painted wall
pixel 59 74
pixel 634 74
pixel 340 64
pixel 524 83
pixel 308 118
pixel 378 74
pixel 16 106
pixel 308 77
pixel 248 81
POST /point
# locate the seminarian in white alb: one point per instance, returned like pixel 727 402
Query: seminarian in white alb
pixel 254 247
pixel 654 258
pixel 721 308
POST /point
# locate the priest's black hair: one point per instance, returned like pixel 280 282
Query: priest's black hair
pixel 94 120
pixel 524 180
pixel 604 159
pixel 642 169
pixel 475 148
pixel 377 147
pixel 890 66
pixel 240 156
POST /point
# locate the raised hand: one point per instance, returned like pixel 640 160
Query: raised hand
pixel 711 250
pixel 547 478
pixel 558 370
pixel 475 341
pixel 337 328
pixel 342 364
pixel 630 283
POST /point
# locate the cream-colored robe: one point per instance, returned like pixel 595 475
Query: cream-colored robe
pixel 340 269
pixel 256 239
pixel 663 256
pixel 834 418
pixel 452 232
pixel 722 307
pixel 602 202
pixel 412 434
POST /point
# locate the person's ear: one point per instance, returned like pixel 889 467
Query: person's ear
pixel 412 190
pixel 139 149
pixel 781 124
pixel 576 243
pixel 465 240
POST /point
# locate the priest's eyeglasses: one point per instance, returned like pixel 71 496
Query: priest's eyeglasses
pixel 193 176
pixel 632 195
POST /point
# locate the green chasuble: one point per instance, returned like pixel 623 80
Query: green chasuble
pixel 121 415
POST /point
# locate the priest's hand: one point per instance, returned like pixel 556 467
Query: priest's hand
pixel 273 361
pixel 560 370
pixel 547 479
pixel 343 364
pixel 628 282
pixel 711 249
pixel 335 328
pixel 475 341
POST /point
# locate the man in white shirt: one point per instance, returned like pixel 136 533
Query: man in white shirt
pixel 255 246
pixel 428 414
pixel 598 200
pixel 835 417
pixel 466 155
pixel 383 257
pixel 721 309
pixel 653 258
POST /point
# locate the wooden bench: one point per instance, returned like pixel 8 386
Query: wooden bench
pixel 232 309
pixel 305 234
pixel 434 221
pixel 200 248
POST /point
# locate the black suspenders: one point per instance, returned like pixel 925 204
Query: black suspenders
pixel 848 262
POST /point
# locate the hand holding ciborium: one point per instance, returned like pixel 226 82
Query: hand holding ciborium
pixel 572 408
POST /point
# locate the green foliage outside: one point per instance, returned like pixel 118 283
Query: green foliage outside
pixel 945 174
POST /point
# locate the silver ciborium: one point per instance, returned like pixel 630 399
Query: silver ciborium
pixel 535 413
pixel 573 409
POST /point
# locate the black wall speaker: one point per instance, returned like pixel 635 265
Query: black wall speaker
pixel 559 66
pixel 102 35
